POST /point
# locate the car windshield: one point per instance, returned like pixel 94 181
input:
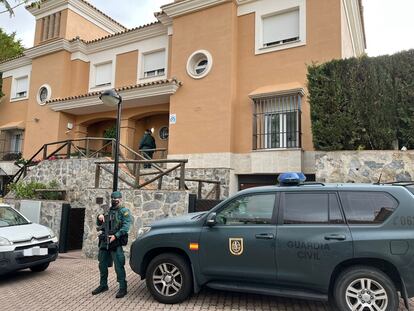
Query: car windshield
pixel 9 217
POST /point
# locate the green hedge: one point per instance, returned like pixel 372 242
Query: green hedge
pixel 363 103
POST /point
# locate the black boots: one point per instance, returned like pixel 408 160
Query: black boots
pixel 99 289
pixel 121 293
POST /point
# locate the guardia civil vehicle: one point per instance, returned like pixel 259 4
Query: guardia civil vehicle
pixel 351 244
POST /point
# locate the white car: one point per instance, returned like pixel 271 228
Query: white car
pixel 24 244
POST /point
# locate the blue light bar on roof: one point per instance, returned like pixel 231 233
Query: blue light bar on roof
pixel 291 179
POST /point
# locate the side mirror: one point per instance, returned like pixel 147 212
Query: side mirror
pixel 211 219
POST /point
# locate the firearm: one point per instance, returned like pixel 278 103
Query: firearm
pixel 107 228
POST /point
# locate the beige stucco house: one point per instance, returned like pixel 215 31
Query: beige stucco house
pixel 221 82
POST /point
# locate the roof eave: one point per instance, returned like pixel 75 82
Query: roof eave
pixel 140 91
pixel 80 6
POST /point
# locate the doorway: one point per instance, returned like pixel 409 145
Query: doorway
pixel 72 228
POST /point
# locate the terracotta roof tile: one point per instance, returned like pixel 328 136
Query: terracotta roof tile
pixel 11 58
pixel 117 34
pixel 120 89
pixel 87 3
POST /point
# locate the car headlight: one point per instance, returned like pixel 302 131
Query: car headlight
pixel 143 230
pixel 4 242
pixel 51 233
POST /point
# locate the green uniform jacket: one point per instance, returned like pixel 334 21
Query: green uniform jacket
pixel 122 221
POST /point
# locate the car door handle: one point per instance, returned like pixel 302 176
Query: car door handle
pixel 265 236
pixel 338 237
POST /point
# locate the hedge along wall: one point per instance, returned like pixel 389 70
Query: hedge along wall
pixel 363 103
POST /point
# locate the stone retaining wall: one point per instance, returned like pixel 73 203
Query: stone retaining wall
pixel 364 166
pixel 146 206
pixel 73 174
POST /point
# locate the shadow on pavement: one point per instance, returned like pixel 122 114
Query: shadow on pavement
pixel 18 276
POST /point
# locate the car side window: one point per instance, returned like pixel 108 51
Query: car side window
pixel 311 208
pixel 249 209
pixel 367 207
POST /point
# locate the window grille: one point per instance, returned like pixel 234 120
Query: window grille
pixel 276 122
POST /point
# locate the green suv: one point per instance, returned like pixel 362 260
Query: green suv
pixel 352 244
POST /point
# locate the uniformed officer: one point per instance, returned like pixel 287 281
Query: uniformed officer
pixel 115 252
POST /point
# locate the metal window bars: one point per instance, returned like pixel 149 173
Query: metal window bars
pixel 277 122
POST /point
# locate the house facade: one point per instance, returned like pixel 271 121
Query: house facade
pixel 221 83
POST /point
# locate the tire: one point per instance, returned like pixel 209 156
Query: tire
pixel 169 278
pixel 40 268
pixel 365 286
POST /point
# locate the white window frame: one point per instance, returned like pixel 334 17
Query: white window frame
pixel 193 64
pixel 14 96
pixel 266 8
pixel 264 17
pixel 110 82
pixel 157 75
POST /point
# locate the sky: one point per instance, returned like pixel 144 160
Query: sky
pixel 389 24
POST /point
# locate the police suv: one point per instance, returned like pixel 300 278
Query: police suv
pixel 350 243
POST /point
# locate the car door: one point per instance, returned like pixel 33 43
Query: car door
pixel 241 246
pixel 312 238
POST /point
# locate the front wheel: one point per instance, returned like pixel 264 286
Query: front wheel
pixel 40 268
pixel 365 289
pixel 169 278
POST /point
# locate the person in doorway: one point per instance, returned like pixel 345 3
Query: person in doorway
pixel 119 220
pixel 147 146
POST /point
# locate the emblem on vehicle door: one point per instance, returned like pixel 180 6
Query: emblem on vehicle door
pixel 236 246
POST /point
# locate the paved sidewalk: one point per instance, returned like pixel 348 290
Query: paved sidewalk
pixel 67 284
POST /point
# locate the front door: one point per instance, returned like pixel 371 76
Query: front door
pixel 312 238
pixel 241 246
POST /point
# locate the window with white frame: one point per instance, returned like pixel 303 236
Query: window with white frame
pixel 21 87
pixel 154 64
pixel 281 28
pixel 103 74
pixel 277 122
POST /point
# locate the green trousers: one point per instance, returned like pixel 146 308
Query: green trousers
pixel 105 257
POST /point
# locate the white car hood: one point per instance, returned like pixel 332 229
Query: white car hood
pixel 24 232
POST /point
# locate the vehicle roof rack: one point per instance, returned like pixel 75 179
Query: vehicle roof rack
pixel 312 183
pixel 397 183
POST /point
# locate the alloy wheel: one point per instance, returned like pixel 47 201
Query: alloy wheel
pixel 365 294
pixel 167 279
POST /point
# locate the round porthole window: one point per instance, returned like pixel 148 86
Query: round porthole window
pixel 199 64
pixel 44 94
pixel 164 133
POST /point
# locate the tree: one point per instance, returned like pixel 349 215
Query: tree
pixel 9 6
pixel 9 47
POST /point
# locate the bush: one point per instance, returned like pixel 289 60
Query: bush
pixel 27 190
pixel 363 103
pixel 23 190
